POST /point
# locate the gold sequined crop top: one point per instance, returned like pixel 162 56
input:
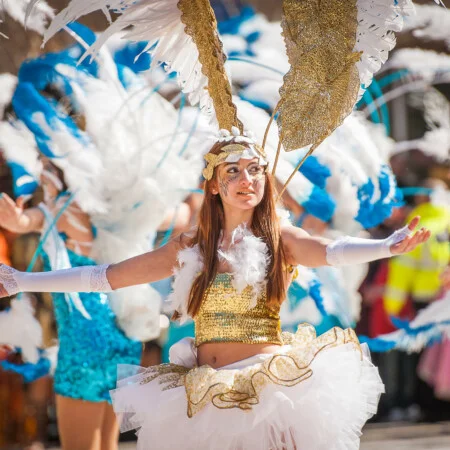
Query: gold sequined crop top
pixel 226 316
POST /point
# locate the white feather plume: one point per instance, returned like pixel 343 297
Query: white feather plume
pixel 8 83
pixel 38 18
pixel 426 63
pixel 19 328
pixel 378 20
pixel 18 145
pixel 157 22
pixel 79 161
pixel 137 310
pixel 436 141
pixel 134 132
pixel 430 23
pixel 51 353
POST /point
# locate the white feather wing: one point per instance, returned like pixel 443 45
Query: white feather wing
pixel 157 22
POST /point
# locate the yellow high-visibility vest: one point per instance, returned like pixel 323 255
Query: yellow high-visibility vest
pixel 416 274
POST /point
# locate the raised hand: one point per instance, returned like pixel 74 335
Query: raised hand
pixel 410 242
pixel 12 215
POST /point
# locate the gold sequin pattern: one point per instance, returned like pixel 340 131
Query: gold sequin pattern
pixel 200 23
pixel 321 88
pixel 227 389
pixel 226 316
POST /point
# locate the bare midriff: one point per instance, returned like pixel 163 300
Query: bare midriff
pixel 224 353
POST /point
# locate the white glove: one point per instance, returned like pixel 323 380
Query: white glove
pixel 350 250
pixel 78 279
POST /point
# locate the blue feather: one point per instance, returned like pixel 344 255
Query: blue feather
pixel 320 204
pixel 30 372
pixel 232 25
pixel 315 172
pixel 24 182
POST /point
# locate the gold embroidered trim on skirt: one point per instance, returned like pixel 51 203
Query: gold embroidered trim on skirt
pixel 234 388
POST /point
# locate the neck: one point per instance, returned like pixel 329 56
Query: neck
pixel 234 218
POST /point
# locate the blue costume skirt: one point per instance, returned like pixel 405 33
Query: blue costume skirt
pixel 90 349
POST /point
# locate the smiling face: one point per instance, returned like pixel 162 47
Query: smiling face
pixel 240 184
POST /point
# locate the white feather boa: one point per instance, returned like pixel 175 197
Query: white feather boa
pixel 248 257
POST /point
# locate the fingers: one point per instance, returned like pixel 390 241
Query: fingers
pixel 22 200
pixel 411 242
pixel 413 224
pixel 6 200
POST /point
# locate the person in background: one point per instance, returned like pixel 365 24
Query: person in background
pixel 412 282
pixel 434 368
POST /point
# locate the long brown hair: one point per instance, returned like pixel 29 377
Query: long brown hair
pixel 265 225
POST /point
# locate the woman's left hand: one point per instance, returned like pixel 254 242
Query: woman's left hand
pixel 411 242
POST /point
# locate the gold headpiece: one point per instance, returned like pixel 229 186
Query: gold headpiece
pixel 241 146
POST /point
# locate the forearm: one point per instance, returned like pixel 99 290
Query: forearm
pixel 350 250
pixel 140 270
pixel 79 279
pixel 312 251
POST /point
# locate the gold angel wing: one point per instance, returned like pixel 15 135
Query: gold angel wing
pixel 334 47
pixel 322 86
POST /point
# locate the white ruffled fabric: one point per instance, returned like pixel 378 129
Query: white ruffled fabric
pixel 324 412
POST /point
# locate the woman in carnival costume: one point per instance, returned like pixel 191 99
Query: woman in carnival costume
pixel 91 344
pixel 242 383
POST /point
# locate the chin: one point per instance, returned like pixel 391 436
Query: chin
pixel 248 204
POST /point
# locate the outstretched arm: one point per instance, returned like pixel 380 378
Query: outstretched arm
pixel 142 269
pixel 146 268
pixel 310 251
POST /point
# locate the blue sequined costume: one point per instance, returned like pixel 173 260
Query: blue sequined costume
pixel 89 350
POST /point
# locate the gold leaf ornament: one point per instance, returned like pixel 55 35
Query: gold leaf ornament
pixel 321 88
pixel 214 160
pixel 201 25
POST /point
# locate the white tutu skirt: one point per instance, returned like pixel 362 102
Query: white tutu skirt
pixel 314 394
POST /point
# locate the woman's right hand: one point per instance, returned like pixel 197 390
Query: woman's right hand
pixel 12 213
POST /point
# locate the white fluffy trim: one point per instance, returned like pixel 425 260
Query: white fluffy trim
pixel 191 265
pixel 19 328
pixel 248 257
pixel 137 311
